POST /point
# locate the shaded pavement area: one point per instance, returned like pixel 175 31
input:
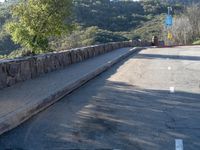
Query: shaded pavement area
pixel 128 107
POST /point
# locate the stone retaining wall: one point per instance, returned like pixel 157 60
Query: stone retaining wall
pixel 21 69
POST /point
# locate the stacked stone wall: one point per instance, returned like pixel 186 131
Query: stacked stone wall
pixel 21 69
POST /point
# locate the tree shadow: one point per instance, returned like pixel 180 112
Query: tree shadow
pixel 175 57
pixel 105 114
pixel 136 119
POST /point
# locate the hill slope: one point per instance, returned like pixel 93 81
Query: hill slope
pixel 98 19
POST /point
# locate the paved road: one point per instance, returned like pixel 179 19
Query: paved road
pixel 143 103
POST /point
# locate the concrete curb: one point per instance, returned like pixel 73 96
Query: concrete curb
pixel 19 116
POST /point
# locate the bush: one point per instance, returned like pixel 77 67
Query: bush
pixel 196 42
pixel 84 37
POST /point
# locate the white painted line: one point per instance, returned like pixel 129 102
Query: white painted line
pixel 172 89
pixel 179 144
pixel 169 68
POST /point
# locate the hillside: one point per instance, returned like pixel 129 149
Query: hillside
pixel 6 44
pixel 100 21
pixel 184 2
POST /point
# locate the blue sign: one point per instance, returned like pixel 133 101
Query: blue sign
pixel 169 20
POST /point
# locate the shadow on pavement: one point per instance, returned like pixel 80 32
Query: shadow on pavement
pixel 112 115
pixel 158 56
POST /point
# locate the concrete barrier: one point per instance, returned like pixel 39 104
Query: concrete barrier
pixel 21 69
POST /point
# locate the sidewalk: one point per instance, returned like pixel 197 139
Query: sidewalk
pixel 21 101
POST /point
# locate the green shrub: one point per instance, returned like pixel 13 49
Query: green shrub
pixel 196 42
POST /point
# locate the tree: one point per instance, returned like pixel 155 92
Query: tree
pixel 35 21
pixel 186 27
pixel 86 36
pixel 182 30
pixel 193 14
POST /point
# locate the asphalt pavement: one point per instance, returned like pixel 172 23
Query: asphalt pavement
pixel 149 101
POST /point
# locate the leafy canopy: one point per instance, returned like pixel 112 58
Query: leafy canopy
pixel 37 20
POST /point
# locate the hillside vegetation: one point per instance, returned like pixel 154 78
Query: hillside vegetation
pixel 100 21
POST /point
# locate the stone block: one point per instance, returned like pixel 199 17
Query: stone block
pixel 90 51
pixel 84 53
pixel 10 81
pixel 101 49
pixel 107 47
pixel 111 47
pixel 115 45
pixel 73 56
pixel 93 51
pixel 79 55
pixel 56 64
pixel 121 44
pixel 25 71
pixel 13 68
pixel 3 76
pixel 48 63
pixel 96 50
pixel 40 62
pixel 87 52
pixel 67 57
pixel 33 67
pixel 63 60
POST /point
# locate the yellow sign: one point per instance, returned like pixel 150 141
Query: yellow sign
pixel 169 36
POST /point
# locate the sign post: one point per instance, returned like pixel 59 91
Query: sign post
pixel 168 24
